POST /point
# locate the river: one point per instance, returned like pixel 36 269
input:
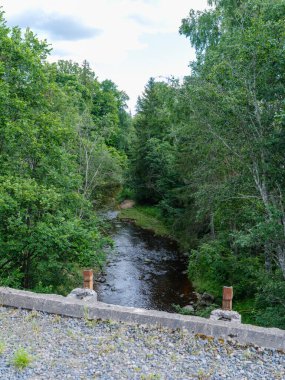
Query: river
pixel 143 270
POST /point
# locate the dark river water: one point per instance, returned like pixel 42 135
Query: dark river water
pixel 143 271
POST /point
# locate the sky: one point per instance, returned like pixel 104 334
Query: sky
pixel 127 41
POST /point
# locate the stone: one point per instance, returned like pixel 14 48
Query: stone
pixel 127 203
pixel 206 297
pixel 87 295
pixel 102 280
pixel 197 296
pixel 225 315
pixel 203 300
pixel 272 338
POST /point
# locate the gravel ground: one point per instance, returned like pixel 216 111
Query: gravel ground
pixel 67 348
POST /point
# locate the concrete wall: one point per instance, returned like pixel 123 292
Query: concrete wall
pixel 245 334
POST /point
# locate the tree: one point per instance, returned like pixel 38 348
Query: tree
pixel 240 70
pixel 47 227
pixel 153 163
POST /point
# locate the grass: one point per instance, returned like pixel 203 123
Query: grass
pixel 2 347
pixel 21 359
pixel 146 217
pixel 151 376
pixel 32 315
pixel 56 319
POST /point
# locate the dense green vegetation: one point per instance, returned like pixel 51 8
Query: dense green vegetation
pixel 209 152
pixel 205 157
pixel 63 137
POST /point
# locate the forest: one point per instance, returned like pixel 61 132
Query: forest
pixel 205 154
pixel 64 137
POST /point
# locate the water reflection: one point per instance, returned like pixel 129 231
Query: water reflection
pixel 144 271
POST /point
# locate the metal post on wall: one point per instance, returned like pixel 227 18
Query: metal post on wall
pixel 227 298
pixel 88 279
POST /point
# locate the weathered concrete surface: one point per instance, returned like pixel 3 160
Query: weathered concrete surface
pixel 87 295
pixel 225 315
pixel 245 334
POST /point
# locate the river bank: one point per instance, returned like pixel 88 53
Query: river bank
pixel 147 217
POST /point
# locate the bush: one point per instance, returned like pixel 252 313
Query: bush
pixel 213 266
pixel 125 193
pixel 270 302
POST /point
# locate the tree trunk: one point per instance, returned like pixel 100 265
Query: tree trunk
pixel 212 226
pixel 281 258
pixel 268 257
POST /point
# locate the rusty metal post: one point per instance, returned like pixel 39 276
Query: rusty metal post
pixel 227 298
pixel 88 279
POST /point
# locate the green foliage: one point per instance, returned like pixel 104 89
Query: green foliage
pixel 146 217
pixel 42 237
pixel 61 152
pixel 247 309
pixel 270 302
pixel 207 153
pixel 152 156
pixel 181 310
pixel 21 359
pixel 203 312
pixel 125 193
pixel 214 266
pixel 210 152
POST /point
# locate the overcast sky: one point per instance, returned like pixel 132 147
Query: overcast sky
pixel 127 41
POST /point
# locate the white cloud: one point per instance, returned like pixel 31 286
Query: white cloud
pixel 59 27
pixel 125 26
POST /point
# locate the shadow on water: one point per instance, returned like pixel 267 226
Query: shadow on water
pixel 144 271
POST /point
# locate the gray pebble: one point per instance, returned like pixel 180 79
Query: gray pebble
pixel 69 348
